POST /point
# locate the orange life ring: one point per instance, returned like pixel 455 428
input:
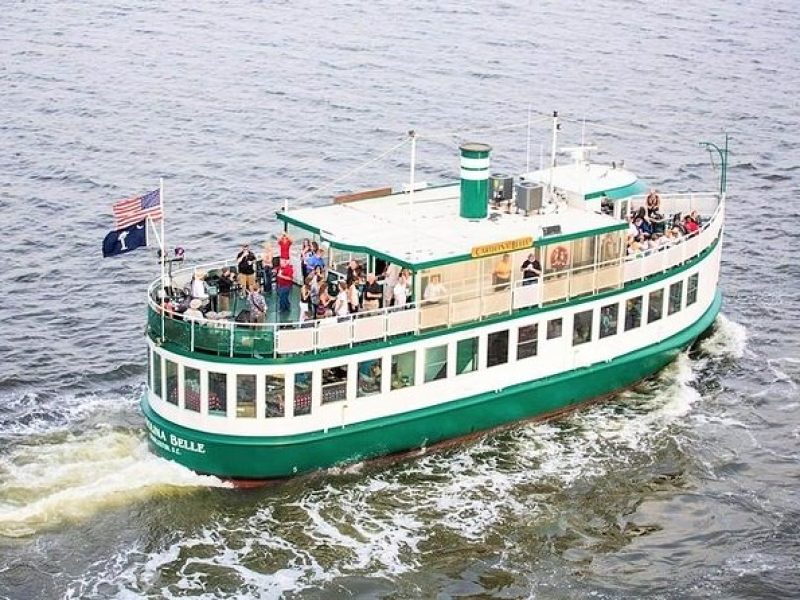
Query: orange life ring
pixel 559 257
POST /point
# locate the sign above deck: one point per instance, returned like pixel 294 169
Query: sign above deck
pixel 502 247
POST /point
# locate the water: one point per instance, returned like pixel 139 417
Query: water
pixel 683 487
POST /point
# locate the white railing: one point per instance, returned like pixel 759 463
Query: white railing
pixel 473 304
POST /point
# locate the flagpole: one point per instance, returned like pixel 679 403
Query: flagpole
pixel 163 244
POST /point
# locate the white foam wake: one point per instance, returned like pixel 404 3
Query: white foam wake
pixel 73 477
pixel 729 339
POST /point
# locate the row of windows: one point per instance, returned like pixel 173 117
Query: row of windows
pixel 369 374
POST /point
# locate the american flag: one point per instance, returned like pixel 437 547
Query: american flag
pixel 130 211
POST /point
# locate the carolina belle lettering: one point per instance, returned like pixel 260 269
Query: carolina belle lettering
pixel 501 247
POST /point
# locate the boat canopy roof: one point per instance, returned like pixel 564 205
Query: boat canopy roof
pixel 428 232
pixel 591 180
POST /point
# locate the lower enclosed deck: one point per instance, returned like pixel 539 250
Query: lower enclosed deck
pixel 269 457
pixel 273 420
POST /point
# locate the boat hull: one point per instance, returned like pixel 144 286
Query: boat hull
pixel 263 458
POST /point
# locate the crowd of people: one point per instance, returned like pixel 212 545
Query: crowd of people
pixel 649 229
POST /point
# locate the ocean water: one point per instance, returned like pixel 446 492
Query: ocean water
pixel 684 487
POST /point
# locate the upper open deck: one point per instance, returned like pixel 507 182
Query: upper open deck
pixel 588 260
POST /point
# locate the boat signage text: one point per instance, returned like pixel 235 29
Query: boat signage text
pixel 171 442
pixel 500 247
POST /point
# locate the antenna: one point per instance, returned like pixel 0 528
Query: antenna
pixel 528 144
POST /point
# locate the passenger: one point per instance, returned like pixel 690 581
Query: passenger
pixel 246 264
pixel 224 288
pixel 258 308
pixel 266 267
pixel 318 260
pixel 391 275
pixel 341 307
pixel 324 306
pixel 405 275
pixel 696 218
pixel 307 256
pixel 314 292
pixel 690 225
pixel 400 292
pixel 200 287
pixel 285 281
pixel 435 289
pixel 531 270
pixel 653 202
pixel 193 312
pixel 643 227
pixel 350 273
pixel 501 276
pixel 353 298
pixel 305 249
pixel 373 293
pixel 284 245
pixel 305 303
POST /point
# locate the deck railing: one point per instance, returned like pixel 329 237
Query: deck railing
pixel 228 338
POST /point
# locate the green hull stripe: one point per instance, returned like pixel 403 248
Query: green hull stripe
pixel 404 339
pixel 273 457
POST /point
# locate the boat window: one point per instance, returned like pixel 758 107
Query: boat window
pixel 172 381
pixel 633 313
pixel 608 320
pixel 497 348
pixel 191 389
pixel 334 384
pixel 466 355
pixel 303 392
pixel 155 385
pixel 691 290
pixel 435 363
pixel 246 396
pixel 583 252
pixel 554 328
pixel 370 374
pixel 403 370
pixel 217 394
pixel 675 297
pixel 274 396
pixel 582 328
pixel 527 341
pixel 655 305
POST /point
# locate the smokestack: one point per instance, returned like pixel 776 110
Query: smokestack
pixel 474 180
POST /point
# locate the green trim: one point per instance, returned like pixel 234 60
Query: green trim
pixel 282 216
pixel 403 339
pixel 557 239
pixel 618 193
pixel 262 457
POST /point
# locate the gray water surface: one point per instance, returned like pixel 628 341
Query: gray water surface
pixel 685 487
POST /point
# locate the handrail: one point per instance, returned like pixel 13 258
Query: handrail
pixel 275 339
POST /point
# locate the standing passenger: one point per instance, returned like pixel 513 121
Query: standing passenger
pixel 285 282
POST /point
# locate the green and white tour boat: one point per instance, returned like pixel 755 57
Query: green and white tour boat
pixel 258 401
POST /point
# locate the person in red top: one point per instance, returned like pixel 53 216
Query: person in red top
pixel 285 280
pixel 284 243
pixel 690 225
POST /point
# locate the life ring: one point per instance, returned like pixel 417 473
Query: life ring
pixel 559 257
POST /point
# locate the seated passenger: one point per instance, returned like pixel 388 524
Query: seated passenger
pixel 696 218
pixel 690 225
pixel 193 312
pixel 501 276
pixel 435 289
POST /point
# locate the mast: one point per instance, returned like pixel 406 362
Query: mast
pixel 556 127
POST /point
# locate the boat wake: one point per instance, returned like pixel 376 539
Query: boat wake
pixel 70 477
pixel 379 522
pixel 728 340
